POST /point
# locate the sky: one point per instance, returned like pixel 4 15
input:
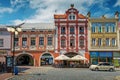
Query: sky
pixel 15 12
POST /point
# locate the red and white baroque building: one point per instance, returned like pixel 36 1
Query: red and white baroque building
pixel 71 33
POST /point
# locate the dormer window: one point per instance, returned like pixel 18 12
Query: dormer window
pixel 72 16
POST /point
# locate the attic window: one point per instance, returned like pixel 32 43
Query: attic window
pixel 72 17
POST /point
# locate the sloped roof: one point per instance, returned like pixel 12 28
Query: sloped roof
pixel 62 16
pixel 81 16
pixel 42 26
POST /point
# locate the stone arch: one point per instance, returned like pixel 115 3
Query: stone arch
pixel 24 59
pixel 46 59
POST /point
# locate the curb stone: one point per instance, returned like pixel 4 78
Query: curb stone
pixel 117 78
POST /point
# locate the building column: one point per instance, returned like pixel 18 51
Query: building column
pixel 77 37
pixel 59 38
pixel 37 42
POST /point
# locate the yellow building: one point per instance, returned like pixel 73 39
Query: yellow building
pixel 103 38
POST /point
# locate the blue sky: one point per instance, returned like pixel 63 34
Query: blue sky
pixel 35 11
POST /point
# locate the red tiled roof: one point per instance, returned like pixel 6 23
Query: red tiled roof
pixel 81 16
pixel 62 16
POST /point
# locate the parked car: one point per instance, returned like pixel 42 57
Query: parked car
pixel 103 66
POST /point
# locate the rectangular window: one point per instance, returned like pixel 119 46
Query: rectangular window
pixel 72 43
pixel 62 30
pixel 49 40
pixel 81 29
pixel 113 29
pixel 107 41
pixel 113 41
pixel 16 41
pixel 41 40
pixel 63 43
pixel 81 43
pixel 71 30
pixel 107 29
pixel 24 42
pixel 33 41
pixel 99 41
pixel 93 41
pixel 1 42
pixel 70 17
pixel 93 30
pixel 73 17
pixel 99 29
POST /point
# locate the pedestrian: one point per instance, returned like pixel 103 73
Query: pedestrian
pixel 0 67
pixel 4 66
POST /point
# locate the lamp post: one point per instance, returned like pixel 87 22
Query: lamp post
pixel 15 30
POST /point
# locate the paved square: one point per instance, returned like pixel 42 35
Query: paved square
pixel 50 73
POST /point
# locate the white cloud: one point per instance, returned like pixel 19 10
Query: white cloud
pixel 45 9
pixel 5 9
pixel 17 4
pixel 117 3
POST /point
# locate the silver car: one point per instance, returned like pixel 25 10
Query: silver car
pixel 102 66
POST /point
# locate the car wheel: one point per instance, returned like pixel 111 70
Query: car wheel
pixel 111 69
pixel 96 69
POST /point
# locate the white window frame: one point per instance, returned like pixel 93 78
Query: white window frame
pixel 73 16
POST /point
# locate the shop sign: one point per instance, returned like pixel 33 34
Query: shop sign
pixel 93 54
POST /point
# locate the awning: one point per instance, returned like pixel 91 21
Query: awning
pixel 78 57
pixel 62 57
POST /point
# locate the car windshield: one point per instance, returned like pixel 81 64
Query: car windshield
pixel 106 64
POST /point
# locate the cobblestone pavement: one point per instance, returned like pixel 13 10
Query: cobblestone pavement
pixel 49 73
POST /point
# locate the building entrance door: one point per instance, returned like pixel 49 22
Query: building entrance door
pixel 46 59
pixel 24 60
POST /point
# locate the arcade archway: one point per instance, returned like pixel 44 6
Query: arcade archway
pixel 24 60
pixel 46 59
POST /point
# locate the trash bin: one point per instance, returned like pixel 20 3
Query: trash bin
pixel 16 70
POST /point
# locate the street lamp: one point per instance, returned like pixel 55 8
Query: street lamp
pixel 15 30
